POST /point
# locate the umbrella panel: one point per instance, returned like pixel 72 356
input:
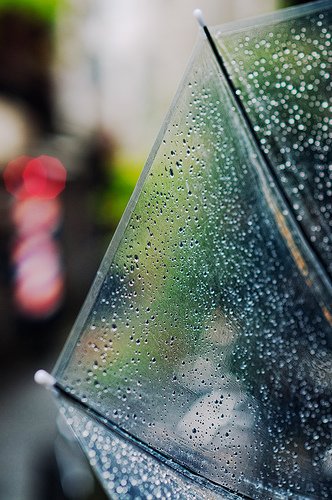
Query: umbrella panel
pixel 283 70
pixel 126 470
pixel 207 334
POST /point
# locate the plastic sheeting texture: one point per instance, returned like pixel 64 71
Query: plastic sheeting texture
pixel 129 472
pixel 207 334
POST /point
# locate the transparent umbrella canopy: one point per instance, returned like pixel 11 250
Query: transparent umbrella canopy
pixel 200 365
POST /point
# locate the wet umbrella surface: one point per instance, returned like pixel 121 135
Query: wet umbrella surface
pixel 200 365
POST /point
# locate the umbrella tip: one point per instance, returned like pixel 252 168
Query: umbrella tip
pixel 45 379
pixel 199 16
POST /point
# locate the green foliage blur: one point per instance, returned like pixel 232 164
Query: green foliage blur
pixel 44 9
pixel 121 175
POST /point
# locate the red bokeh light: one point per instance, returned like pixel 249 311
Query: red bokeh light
pixel 35 178
pixel 36 214
pixel 42 177
pixel 12 176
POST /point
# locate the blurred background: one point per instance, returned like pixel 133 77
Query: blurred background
pixel 84 88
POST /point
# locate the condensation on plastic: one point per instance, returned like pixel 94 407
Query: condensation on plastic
pixel 283 71
pixel 207 333
pixel 126 471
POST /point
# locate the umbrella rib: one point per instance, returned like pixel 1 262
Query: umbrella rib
pixel 51 383
pixel 235 91
pixel 236 95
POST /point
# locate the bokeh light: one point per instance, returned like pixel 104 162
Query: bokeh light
pixel 36 214
pixel 43 177
pixel 38 274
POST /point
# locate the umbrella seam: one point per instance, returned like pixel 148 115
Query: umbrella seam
pixel 283 197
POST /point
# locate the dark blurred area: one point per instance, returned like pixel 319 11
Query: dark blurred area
pixel 50 247
pixel 54 230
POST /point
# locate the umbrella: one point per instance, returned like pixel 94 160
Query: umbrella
pixel 200 364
